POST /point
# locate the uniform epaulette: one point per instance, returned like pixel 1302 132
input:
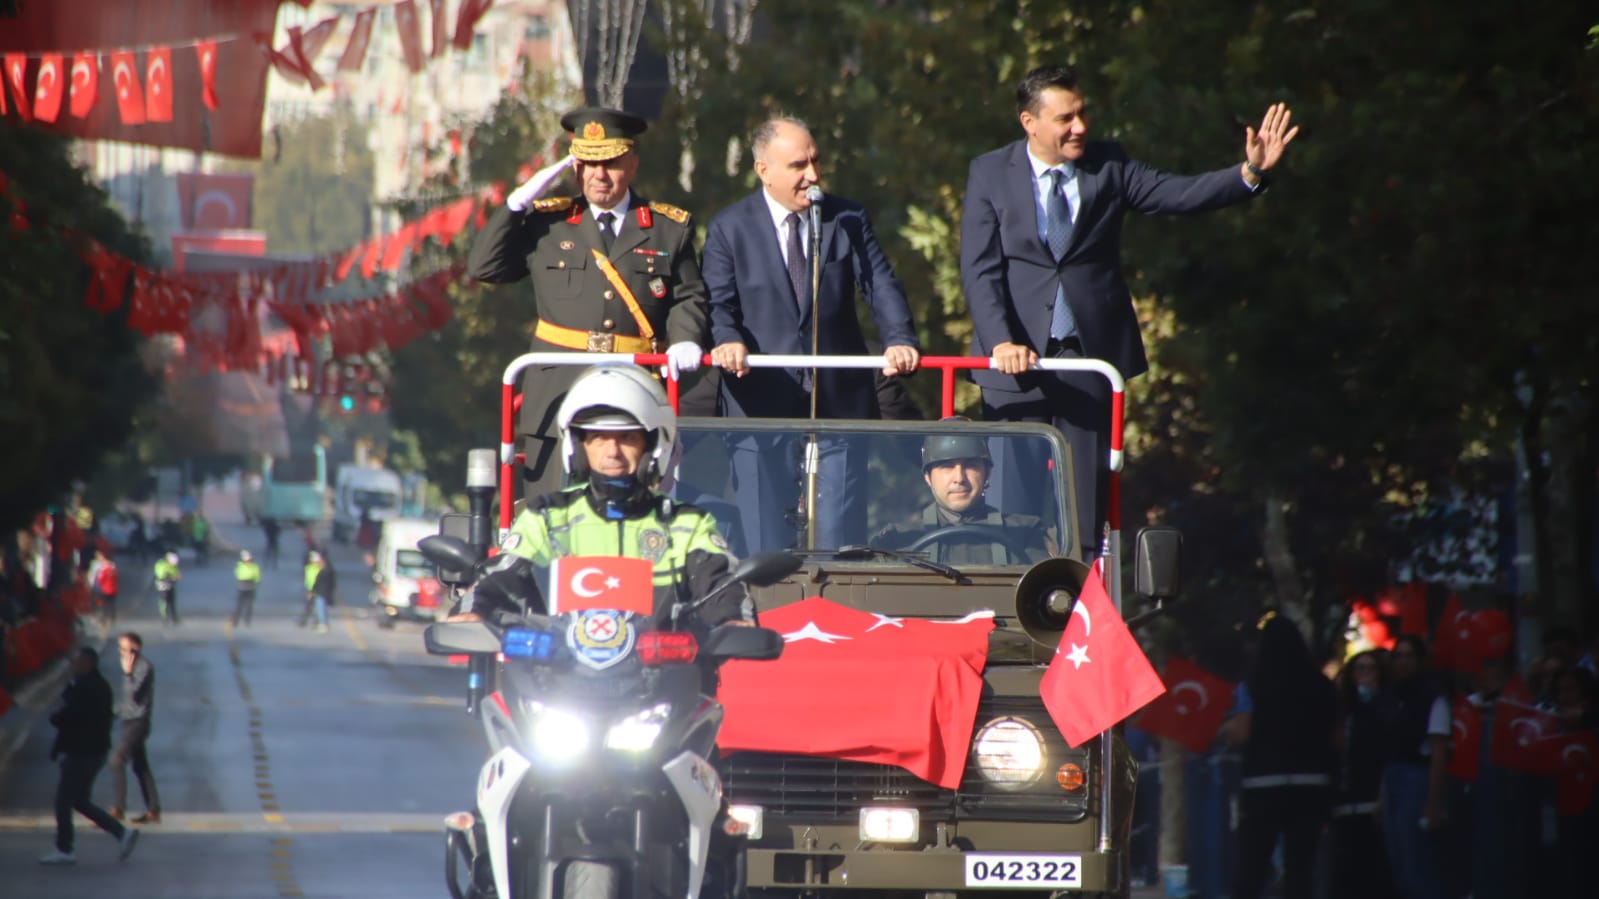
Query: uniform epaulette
pixel 672 212
pixel 552 204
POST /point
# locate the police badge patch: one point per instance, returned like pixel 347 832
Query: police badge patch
pixel 652 544
pixel 658 287
pixel 600 638
pixel 511 542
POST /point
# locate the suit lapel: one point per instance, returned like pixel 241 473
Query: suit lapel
pixel 759 221
pixel 1020 196
pixel 632 236
pixel 1087 188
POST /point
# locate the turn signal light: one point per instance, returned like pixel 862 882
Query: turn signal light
pixel 667 648
pixel 1071 777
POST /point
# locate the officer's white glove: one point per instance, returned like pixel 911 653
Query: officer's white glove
pixel 681 357
pixel 537 185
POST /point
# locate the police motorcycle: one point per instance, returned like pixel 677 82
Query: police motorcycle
pixel 600 783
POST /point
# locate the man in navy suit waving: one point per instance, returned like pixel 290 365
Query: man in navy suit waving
pixel 758 271
pixel 1041 269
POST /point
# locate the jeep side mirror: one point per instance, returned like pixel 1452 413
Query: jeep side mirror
pixel 1157 562
pixel 731 641
pixel 765 569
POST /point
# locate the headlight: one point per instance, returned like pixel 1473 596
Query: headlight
pixel 557 736
pixel 637 733
pixel 1010 753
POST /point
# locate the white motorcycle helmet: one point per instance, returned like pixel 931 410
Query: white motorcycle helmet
pixel 618 397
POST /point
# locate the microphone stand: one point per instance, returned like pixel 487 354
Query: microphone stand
pixel 813 460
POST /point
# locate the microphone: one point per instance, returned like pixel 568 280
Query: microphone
pixel 813 195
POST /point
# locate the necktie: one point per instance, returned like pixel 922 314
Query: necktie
pixel 796 262
pixel 606 234
pixel 1058 231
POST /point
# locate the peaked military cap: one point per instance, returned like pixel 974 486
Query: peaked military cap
pixel 600 134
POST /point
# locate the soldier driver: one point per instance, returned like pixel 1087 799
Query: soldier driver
pixel 956 468
pixel 611 271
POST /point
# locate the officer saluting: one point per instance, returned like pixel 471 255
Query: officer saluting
pixel 612 273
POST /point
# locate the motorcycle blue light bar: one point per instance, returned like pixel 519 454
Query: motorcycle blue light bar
pixel 520 643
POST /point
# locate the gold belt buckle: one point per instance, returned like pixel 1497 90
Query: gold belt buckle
pixel 601 343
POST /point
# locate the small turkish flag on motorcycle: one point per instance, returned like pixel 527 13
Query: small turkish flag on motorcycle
pixel 602 582
pixel 1098 675
pixel 1193 707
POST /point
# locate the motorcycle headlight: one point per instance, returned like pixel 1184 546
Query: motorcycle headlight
pixel 638 732
pixel 1010 753
pixel 557 736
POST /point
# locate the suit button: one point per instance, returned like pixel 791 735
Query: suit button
pixel 608 323
pixel 610 294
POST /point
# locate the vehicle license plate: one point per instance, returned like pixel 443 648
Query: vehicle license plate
pixel 1024 871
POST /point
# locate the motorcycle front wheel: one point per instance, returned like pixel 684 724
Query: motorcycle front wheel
pixel 591 880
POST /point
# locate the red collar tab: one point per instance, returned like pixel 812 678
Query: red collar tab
pixel 645 219
pixel 575 215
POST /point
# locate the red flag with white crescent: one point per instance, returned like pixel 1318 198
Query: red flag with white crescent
pixel 207 53
pixel 1576 757
pixel 303 61
pixel 317 37
pixel 1520 738
pixel 360 35
pixel 85 83
pixel 602 582
pixel 49 87
pixel 125 81
pixel 1465 740
pixel 17 78
pixel 158 85
pixel 410 30
pixel 1098 675
pixel 1192 709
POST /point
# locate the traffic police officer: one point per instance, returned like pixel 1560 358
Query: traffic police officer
pixel 956 468
pixel 611 271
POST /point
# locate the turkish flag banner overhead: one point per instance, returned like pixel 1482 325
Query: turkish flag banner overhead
pixel 1192 709
pixel 1465 740
pixel 410 30
pixel 206 53
pixel 17 79
pixel 158 85
pixel 466 19
pixel 303 60
pixel 862 687
pixel 318 36
pixel 441 27
pixel 85 83
pixel 601 582
pixel 1520 738
pixel 360 35
pixel 125 81
pixel 1099 675
pixel 48 87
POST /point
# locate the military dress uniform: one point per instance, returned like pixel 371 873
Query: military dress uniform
pixel 640 296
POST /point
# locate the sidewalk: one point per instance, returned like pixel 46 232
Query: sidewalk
pixel 38 692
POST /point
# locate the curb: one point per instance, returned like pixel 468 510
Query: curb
pixel 39 692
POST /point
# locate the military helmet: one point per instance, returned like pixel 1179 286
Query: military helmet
pixel 949 447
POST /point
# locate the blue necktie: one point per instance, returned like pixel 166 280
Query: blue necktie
pixel 1058 232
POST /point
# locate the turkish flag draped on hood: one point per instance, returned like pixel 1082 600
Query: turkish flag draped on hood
pixel 1098 675
pixel 1193 707
pixel 48 87
pixel 862 687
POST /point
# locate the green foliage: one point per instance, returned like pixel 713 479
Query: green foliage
pixel 313 188
pixel 71 380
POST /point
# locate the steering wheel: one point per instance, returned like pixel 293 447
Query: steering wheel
pixel 987 533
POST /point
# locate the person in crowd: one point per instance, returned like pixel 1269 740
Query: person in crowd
pixel 166 575
pixel 136 709
pixel 963 529
pixel 271 530
pixel 1576 705
pixel 247 574
pixel 1041 269
pixel 610 270
pixel 105 583
pixel 1414 806
pixel 200 534
pixel 83 735
pixel 319 589
pixel 1288 762
pixel 758 269
pixel 1211 778
pixel 1358 861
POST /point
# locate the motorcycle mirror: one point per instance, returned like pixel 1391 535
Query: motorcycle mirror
pixel 449 553
pixel 766 568
pixel 732 641
pixel 453 638
pixel 1157 562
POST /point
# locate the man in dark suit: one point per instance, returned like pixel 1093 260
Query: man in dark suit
pixel 611 272
pixel 1041 269
pixel 758 271
pixel 83 737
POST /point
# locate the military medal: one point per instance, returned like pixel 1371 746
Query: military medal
pixel 567 245
pixel 658 287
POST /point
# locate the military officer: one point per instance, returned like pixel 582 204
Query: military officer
pixel 956 468
pixel 611 271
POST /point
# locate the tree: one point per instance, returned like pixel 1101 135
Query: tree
pixel 314 194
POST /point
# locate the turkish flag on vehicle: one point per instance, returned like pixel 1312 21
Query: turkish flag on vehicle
pixel 49 87
pixel 158 85
pixel 1099 675
pixel 1521 738
pixel 410 30
pixel 125 80
pixel 1465 740
pixel 85 83
pixel 1193 707
pixel 602 582
pixel 1577 770
pixel 17 77
pixel 863 687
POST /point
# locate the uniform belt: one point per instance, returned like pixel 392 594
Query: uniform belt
pixel 1354 808
pixel 591 341
pixel 1286 780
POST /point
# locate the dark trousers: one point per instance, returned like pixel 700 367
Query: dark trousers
pixel 1078 404
pixel 130 751
pixel 168 601
pixel 1297 814
pixel 245 608
pixel 1359 858
pixel 72 795
pixel 769 482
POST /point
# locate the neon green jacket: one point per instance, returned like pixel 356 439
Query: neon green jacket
pixel 166 573
pixel 247 574
pixel 311 571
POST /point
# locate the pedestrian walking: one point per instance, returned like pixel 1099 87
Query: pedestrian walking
pixel 248 574
pixel 83 734
pixel 134 708
pixel 166 575
pixel 104 581
pixel 271 529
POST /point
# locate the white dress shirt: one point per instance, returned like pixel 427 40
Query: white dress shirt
pixel 1041 186
pixel 780 221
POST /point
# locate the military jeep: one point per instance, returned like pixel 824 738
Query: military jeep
pixel 1031 813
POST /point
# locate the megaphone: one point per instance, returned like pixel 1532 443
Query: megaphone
pixel 1045 595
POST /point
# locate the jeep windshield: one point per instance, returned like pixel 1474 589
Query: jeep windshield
pixel 990 494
